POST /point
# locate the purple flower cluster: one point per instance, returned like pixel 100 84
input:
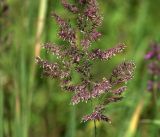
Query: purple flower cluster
pixel 154 67
pixel 154 53
pixel 76 56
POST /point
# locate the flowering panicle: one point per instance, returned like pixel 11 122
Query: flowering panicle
pixel 154 67
pixel 76 56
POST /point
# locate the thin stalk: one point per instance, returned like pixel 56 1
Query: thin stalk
pixel 17 125
pixel 72 123
pixel 154 100
pixel 149 121
pixel 1 110
pixel 23 93
pixel 154 96
pixel 95 127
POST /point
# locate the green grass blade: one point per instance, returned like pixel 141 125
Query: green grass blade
pixel 71 129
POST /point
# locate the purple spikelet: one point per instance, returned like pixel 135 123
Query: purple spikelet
pixel 153 57
pixel 154 53
pixel 75 56
pixel 72 8
pixel 120 90
pixel 66 32
pixel 105 55
pixel 96 115
pixel 101 88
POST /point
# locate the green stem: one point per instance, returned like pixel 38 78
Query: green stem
pixel 1 110
pixel 71 131
pixel 95 128
pixel 154 96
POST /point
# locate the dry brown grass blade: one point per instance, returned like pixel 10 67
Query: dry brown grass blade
pixel 40 25
pixel 135 120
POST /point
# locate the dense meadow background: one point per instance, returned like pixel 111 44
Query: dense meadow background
pixel 35 106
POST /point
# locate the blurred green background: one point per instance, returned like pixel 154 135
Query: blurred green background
pixel 35 106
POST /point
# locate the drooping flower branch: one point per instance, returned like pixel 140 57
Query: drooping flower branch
pixel 76 56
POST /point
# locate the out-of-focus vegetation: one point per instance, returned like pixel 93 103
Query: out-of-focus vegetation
pixel 34 106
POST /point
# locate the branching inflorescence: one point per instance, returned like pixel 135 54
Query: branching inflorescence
pixel 153 56
pixel 77 56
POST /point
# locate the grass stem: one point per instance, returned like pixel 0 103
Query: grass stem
pixel 1 110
